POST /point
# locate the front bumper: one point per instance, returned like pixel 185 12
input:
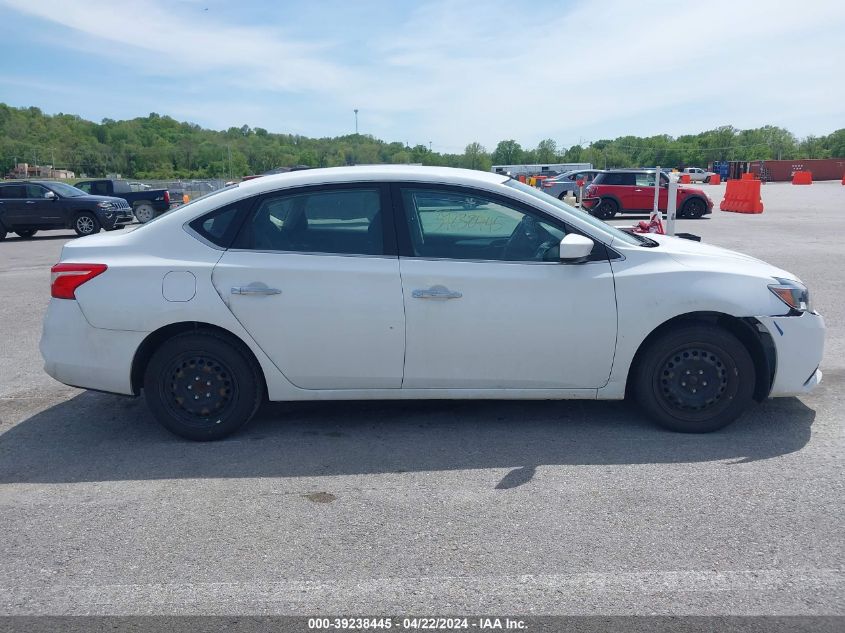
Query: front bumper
pixel 115 219
pixel 80 355
pixel 799 344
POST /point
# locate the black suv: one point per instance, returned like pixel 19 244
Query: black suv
pixel 35 205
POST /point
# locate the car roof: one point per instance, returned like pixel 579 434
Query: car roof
pixel 366 173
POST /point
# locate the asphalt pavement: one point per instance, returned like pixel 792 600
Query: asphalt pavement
pixel 433 507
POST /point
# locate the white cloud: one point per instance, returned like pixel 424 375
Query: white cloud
pixel 485 71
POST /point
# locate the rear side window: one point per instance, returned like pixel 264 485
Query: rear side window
pixel 84 186
pixel 12 192
pixel 617 178
pixel 339 221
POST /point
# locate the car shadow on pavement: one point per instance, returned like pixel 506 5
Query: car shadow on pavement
pixel 99 437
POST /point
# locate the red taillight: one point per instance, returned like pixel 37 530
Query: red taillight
pixel 66 278
pixel 166 196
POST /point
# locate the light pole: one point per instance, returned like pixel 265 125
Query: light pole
pixel 356 121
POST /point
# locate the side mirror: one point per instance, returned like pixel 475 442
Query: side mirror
pixel 50 195
pixel 575 248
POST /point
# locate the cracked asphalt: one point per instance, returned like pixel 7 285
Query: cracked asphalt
pixel 432 507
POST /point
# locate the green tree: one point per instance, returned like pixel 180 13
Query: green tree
pixel 507 153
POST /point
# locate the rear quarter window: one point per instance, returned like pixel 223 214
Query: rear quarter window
pixel 221 225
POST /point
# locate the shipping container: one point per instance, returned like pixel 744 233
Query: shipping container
pixel 782 170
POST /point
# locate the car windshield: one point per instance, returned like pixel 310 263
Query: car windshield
pixel 65 190
pixel 622 236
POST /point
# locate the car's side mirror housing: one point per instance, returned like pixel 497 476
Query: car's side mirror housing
pixel 575 248
pixel 50 195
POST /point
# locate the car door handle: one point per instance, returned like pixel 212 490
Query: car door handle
pixel 436 292
pixel 637 189
pixel 30 201
pixel 255 289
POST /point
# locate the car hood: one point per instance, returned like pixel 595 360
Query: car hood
pixel 93 198
pixel 706 256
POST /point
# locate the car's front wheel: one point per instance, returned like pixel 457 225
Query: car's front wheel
pixel 26 233
pixel 606 209
pixel 695 378
pixel 86 223
pixel 202 386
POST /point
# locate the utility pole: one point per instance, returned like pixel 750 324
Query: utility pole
pixel 229 152
pixel 356 121
pixel 429 146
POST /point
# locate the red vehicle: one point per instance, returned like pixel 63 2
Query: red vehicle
pixel 632 190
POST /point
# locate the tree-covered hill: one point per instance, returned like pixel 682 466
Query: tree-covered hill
pixel 158 146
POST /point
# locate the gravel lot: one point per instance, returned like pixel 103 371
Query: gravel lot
pixel 436 507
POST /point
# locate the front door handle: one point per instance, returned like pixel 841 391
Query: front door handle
pixel 255 290
pixel 436 292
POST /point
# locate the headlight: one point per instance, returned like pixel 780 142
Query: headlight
pixel 104 205
pixel 792 293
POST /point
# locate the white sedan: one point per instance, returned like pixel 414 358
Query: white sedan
pixel 382 282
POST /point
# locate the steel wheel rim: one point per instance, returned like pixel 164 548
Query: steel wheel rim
pixel 695 381
pixel 199 389
pixel 144 214
pixel 85 224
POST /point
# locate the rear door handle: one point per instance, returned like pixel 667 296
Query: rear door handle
pixel 436 292
pixel 255 289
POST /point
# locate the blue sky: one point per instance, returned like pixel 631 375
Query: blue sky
pixel 444 71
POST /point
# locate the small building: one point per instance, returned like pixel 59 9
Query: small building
pixel 26 170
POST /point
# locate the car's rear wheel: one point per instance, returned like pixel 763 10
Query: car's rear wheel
pixel 202 386
pixel 693 208
pixel 695 379
pixel 86 223
pixel 606 209
pixel 26 233
pixel 707 180
pixel 144 213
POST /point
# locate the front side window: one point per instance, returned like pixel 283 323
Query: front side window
pixel 338 221
pixel 35 191
pixel 452 225
pixel 645 180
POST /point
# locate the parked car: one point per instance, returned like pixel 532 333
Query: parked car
pixel 146 203
pixel 568 182
pixel 337 284
pixel 696 174
pixel 29 206
pixel 632 190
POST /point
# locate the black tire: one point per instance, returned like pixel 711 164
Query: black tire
pixel 694 208
pixel 707 180
pixel 210 361
pixel 86 223
pixel 26 233
pixel 695 379
pixel 606 209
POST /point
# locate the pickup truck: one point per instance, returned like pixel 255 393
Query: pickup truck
pixel 146 203
pixel 696 174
